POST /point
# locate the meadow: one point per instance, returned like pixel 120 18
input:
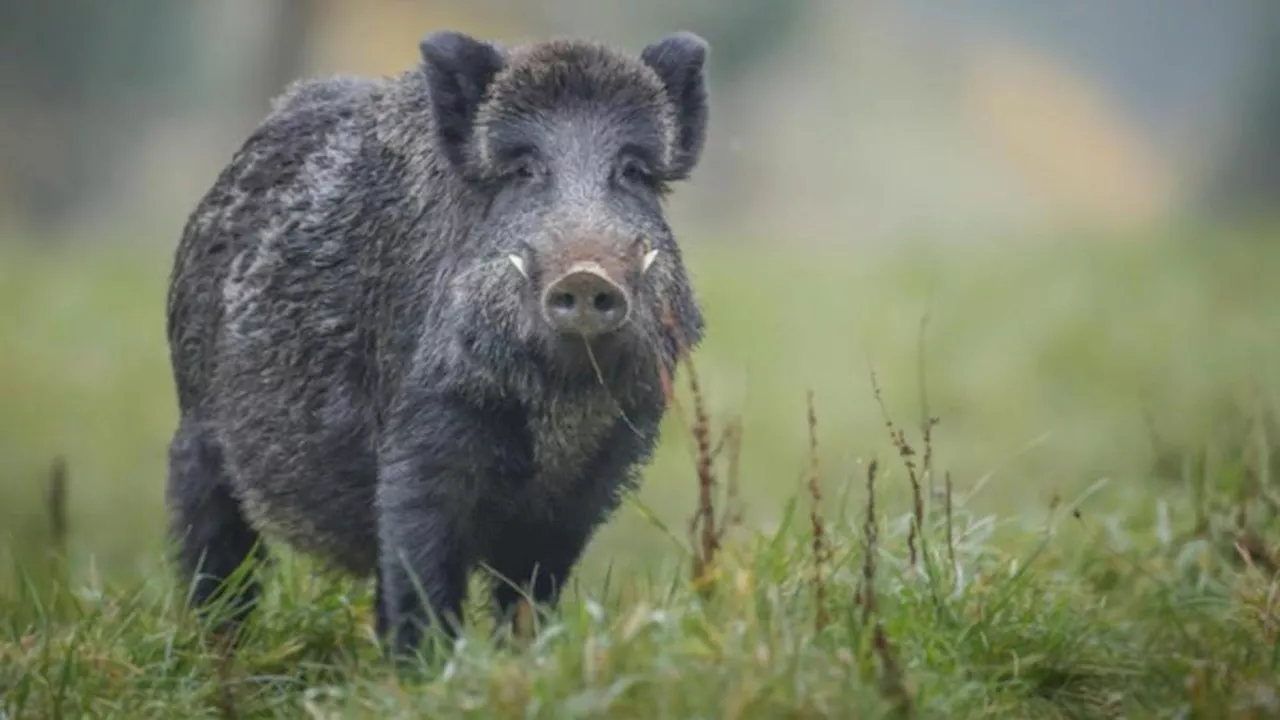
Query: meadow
pixel 1088 530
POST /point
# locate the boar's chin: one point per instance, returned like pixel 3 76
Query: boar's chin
pixel 606 355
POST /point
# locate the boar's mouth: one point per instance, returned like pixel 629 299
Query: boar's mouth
pixel 603 358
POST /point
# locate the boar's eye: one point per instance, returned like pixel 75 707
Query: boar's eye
pixel 526 168
pixel 636 172
pixel 523 163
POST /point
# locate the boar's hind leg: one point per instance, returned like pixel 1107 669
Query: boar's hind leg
pixel 210 530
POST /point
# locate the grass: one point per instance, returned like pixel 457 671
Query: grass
pixel 1090 530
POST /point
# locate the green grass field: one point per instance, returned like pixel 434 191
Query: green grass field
pixel 1107 417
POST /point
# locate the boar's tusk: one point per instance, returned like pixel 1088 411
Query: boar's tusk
pixel 519 263
pixel 649 257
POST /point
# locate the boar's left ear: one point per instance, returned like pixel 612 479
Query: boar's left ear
pixel 459 69
pixel 679 60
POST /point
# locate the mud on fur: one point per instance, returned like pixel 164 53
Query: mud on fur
pixel 415 323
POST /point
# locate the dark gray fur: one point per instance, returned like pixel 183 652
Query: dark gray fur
pixel 362 372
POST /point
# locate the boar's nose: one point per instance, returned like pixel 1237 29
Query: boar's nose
pixel 586 302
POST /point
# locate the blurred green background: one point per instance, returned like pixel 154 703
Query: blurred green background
pixel 1081 198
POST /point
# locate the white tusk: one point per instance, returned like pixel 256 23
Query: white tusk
pixel 519 263
pixel 649 257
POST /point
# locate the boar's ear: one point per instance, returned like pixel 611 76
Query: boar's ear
pixel 679 60
pixel 458 69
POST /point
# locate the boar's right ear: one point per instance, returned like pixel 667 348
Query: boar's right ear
pixel 458 69
pixel 680 59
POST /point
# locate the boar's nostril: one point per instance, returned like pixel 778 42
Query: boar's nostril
pixel 585 302
pixel 563 301
pixel 605 302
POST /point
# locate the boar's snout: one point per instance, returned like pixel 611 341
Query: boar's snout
pixel 584 301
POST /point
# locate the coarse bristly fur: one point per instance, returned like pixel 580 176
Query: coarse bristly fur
pixel 364 367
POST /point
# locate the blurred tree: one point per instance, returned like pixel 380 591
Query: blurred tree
pixel 1247 181
pixel 84 83
pixel 76 79
pixel 294 22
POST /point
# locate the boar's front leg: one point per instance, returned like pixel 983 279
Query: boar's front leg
pixel 536 558
pixel 431 463
pixel 536 555
pixel 422 574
